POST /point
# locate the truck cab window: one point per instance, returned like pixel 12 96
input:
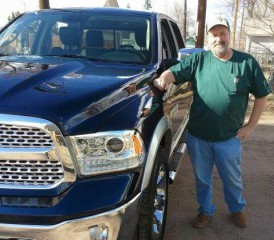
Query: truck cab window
pixel 169 49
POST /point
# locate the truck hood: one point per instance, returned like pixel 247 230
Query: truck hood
pixel 67 91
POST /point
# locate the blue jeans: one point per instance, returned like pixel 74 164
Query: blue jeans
pixel 227 157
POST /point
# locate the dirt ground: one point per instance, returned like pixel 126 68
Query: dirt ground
pixel 258 177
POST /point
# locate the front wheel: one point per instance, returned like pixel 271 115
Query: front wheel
pixel 154 203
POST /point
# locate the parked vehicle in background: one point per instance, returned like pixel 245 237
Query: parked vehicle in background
pixel 87 145
pixel 188 51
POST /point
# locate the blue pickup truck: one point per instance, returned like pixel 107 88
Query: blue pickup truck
pixel 88 146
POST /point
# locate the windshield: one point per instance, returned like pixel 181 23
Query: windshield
pixel 90 35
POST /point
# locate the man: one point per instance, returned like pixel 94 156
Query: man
pixel 222 79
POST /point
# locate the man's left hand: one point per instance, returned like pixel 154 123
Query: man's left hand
pixel 244 132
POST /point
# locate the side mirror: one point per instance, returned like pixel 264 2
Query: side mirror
pixel 182 55
pixel 184 52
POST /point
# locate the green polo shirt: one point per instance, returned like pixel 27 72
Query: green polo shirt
pixel 220 92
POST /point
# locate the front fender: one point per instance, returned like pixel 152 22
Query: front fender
pixel 162 128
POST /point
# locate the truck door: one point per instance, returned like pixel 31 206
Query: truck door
pixel 178 98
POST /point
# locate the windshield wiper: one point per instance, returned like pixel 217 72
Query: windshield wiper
pixel 81 56
pixel 100 59
pixel 62 55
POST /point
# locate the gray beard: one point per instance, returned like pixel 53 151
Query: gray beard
pixel 219 51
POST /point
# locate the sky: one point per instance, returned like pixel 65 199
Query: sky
pixel 157 5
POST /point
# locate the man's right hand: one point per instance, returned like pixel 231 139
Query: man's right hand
pixel 164 80
pixel 160 84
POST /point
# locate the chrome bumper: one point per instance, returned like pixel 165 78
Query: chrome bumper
pixel 78 229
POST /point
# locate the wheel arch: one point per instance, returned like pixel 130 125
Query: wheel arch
pixel 162 136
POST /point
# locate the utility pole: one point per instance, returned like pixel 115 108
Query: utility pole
pixel 185 17
pixel 44 4
pixel 201 16
pixel 235 16
pixel 242 26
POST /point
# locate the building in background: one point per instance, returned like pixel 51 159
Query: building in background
pixel 260 39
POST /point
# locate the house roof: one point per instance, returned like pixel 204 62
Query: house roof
pixel 259 27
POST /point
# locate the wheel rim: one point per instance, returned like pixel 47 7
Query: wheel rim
pixel 159 203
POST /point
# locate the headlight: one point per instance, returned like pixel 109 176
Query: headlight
pixel 108 151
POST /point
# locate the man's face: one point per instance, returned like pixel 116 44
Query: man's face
pixel 218 40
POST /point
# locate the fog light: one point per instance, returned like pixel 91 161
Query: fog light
pixel 98 233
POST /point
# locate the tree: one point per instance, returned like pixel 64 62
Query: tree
pixel 260 8
pixel 201 16
pixel 44 4
pixel 184 18
pixel 147 5
pixel 13 15
pixel 250 7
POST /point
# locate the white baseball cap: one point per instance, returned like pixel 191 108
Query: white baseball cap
pixel 215 22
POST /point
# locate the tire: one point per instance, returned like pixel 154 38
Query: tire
pixel 153 212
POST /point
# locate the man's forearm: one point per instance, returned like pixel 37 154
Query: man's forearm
pixel 257 110
pixel 168 76
pixel 245 131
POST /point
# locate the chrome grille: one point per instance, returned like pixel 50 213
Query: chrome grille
pixel 12 136
pixel 30 172
pixel 34 154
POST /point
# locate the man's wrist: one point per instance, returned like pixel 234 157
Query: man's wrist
pixel 251 125
pixel 169 77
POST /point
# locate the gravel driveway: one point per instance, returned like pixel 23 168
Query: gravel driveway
pixel 258 176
